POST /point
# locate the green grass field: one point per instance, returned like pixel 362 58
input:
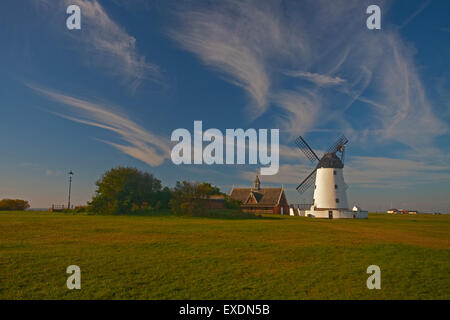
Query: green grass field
pixel 166 257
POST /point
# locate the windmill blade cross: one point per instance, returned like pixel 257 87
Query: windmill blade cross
pixel 308 182
pixel 341 141
pixel 309 153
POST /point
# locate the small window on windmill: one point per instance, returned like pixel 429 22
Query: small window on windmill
pixel 337 200
pixel 335 186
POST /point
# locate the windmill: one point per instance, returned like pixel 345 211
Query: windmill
pixel 330 197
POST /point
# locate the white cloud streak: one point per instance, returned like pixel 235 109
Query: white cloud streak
pixel 416 13
pixel 318 79
pixel 139 143
pixel 114 46
pixel 106 44
pixel 406 113
pixel 393 172
pixel 300 110
pixel 324 44
pixel 236 38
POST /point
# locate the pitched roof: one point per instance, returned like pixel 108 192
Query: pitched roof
pixel 263 196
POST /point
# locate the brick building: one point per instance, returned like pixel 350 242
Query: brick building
pixel 261 200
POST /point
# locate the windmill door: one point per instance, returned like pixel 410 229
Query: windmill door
pixel 330 214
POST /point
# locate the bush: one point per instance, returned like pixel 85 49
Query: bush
pixel 14 204
pixel 191 198
pixel 232 204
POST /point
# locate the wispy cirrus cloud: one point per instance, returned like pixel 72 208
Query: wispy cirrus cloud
pixel 300 110
pixel 394 173
pixel 115 48
pixel 341 64
pixel 404 108
pixel 236 38
pixel 218 47
pixel 316 78
pixel 139 143
pixel 422 7
pixel 106 44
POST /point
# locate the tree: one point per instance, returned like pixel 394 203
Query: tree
pixel 205 189
pixel 14 204
pixel 125 189
pixel 164 196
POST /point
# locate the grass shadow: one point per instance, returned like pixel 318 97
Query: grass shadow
pixel 221 214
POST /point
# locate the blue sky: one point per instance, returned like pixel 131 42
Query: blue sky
pixel 112 93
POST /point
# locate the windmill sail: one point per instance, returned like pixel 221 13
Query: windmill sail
pixel 337 146
pixel 308 182
pixel 309 153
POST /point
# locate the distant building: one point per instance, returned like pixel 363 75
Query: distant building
pixel 402 211
pixel 261 200
pixel 392 211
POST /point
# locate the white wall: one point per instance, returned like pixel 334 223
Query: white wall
pixel 337 214
pixel 325 194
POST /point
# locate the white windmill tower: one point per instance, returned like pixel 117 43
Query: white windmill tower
pixel 330 196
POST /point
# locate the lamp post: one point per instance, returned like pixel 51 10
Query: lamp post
pixel 70 187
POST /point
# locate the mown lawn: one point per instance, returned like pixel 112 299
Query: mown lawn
pixel 165 257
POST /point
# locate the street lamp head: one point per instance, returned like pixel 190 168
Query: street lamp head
pixel 70 173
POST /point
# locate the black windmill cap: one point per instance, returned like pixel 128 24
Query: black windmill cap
pixel 330 160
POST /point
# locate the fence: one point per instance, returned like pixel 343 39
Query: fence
pixel 58 207
pixel 301 206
